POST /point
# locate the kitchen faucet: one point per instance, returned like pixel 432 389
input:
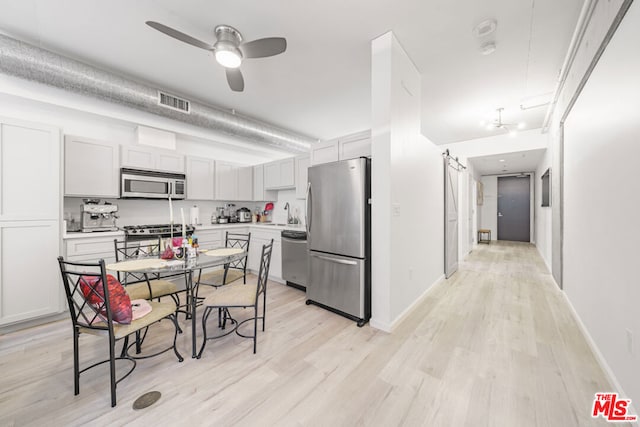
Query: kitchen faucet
pixel 288 209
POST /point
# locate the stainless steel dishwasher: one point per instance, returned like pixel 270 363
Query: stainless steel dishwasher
pixel 295 255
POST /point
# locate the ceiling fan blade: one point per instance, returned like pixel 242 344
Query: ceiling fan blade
pixel 179 35
pixel 264 47
pixel 235 79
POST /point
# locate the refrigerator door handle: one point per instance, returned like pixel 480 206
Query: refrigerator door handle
pixel 336 260
pixel 308 212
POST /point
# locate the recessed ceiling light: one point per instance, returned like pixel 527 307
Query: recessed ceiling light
pixel 488 48
pixel 501 160
pixel 485 28
pixel 521 125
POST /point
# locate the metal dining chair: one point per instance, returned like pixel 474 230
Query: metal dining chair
pixel 91 307
pixel 236 269
pixel 139 285
pixel 238 295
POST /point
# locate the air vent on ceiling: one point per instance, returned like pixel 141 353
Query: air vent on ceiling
pixel 173 102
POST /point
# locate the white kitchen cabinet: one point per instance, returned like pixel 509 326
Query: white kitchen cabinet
pixel 171 162
pixel 259 193
pixel 354 146
pixel 210 239
pixel 200 178
pixel 30 206
pixel 138 157
pixel 280 174
pixel 324 152
pixel 91 247
pixel 91 168
pixel 245 183
pixel 343 148
pixel 30 283
pixel 302 172
pixel 226 181
pixel 259 238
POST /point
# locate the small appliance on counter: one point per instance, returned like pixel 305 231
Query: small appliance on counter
pixel 96 216
pixel 244 215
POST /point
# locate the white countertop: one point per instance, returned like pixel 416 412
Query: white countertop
pixel 258 225
pixel 95 234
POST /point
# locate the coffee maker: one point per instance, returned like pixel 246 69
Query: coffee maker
pixel 98 217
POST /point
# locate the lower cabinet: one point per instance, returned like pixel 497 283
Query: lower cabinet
pixel 91 249
pixel 30 281
pixel 259 238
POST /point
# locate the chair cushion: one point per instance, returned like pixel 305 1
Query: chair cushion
pixel 214 278
pixel 236 295
pixel 119 300
pixel 159 288
pixel 159 310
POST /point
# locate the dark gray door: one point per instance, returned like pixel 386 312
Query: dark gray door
pixel 514 208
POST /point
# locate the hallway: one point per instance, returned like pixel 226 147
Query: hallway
pixel 494 345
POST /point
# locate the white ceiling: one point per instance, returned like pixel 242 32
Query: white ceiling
pixel 321 85
pixel 521 161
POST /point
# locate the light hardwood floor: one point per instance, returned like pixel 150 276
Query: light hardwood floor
pixel 494 345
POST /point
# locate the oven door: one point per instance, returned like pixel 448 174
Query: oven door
pixel 148 187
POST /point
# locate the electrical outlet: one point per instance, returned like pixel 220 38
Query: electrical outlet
pixel 629 341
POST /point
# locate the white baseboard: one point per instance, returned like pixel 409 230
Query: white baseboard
pixel 613 381
pixel 389 327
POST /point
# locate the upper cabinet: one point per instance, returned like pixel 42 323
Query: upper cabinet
pixel 233 182
pixel 259 193
pixel 324 152
pixel 139 157
pixel 280 174
pixel 356 145
pixel 200 178
pixel 302 172
pixel 91 168
pixel 226 181
pixel 343 148
pixel 245 183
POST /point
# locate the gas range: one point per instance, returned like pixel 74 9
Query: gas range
pixel 139 232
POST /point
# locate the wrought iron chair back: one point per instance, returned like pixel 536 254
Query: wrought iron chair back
pixel 240 241
pixel 96 315
pixel 126 249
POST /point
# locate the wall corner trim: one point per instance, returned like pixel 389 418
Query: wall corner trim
pixel 390 327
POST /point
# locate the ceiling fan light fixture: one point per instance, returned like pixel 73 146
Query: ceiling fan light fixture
pixel 521 125
pixel 228 57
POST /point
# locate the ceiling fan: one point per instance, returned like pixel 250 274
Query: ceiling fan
pixel 229 49
pixel 497 123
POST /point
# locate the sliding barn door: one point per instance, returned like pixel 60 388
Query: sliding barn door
pixel 450 219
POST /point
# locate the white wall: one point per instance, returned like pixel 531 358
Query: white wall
pixel 543 214
pixel 489 208
pixel 407 189
pixel 84 116
pixel 601 204
pixel 487 214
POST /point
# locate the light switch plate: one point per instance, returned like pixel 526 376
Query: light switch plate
pixel 395 208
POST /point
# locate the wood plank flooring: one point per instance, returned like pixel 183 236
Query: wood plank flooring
pixel 495 345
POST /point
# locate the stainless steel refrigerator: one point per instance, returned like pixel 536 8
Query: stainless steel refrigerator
pixel 339 238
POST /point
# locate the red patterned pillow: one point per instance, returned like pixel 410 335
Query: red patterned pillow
pixel 93 291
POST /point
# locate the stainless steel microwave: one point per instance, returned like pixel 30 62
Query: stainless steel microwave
pixel 146 184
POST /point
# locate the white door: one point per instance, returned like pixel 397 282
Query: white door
pixel 451 219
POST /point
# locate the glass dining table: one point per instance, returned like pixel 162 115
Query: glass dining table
pixel 189 267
